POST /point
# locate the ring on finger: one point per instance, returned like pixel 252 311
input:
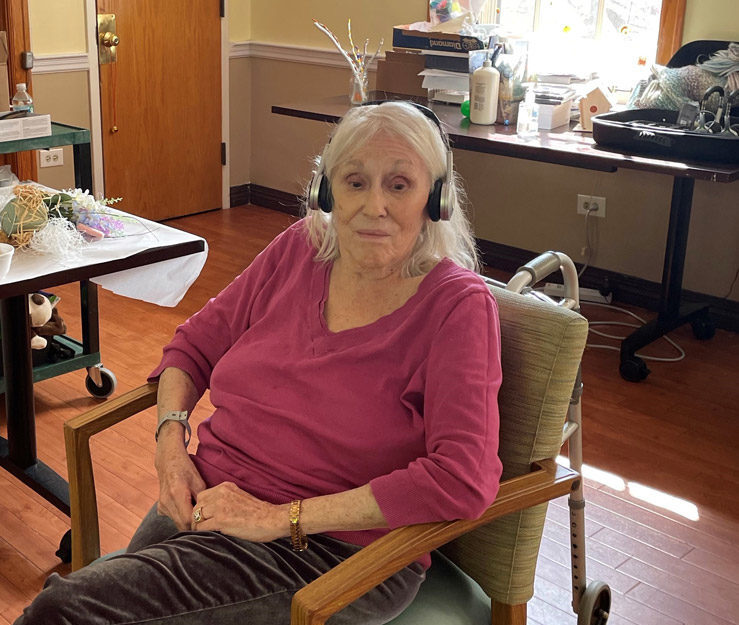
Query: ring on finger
pixel 197 516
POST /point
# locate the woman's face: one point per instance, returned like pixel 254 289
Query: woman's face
pixel 380 194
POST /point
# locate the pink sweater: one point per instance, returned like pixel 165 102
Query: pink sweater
pixel 407 403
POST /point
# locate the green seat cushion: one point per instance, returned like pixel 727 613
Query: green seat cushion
pixel 447 597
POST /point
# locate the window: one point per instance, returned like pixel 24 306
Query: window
pixel 618 39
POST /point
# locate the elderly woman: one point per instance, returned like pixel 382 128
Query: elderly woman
pixel 354 368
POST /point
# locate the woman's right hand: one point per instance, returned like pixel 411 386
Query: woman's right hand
pixel 179 480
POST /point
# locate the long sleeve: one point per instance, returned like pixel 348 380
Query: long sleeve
pixel 201 341
pixel 460 473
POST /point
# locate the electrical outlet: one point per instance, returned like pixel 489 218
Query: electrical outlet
pixel 53 157
pixel 597 205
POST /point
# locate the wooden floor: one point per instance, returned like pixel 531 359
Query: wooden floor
pixel 676 433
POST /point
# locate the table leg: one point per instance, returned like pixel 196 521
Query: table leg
pixel 671 314
pixel 18 372
pixel 82 166
pixel 18 453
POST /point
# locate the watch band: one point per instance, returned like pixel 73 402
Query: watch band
pixel 297 535
pixel 181 416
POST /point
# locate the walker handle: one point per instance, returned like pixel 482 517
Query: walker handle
pixel 542 266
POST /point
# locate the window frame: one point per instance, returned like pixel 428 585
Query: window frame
pixel 671 23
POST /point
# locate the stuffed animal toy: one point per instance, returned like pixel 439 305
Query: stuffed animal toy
pixel 41 312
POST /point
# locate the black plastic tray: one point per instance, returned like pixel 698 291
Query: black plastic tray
pixel 613 130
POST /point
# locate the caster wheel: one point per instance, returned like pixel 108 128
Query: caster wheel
pixel 633 369
pixel 595 604
pixel 64 553
pixel 703 328
pixel 109 382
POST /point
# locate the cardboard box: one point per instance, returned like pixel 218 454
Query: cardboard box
pixel 398 73
pixel 554 115
pixel 4 80
pixel 27 127
pixel 406 37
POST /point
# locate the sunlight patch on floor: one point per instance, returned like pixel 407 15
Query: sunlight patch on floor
pixel 655 497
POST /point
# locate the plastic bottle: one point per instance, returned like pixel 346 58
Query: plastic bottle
pixel 484 94
pixel 21 100
pixel 528 116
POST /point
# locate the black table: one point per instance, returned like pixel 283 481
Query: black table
pixel 18 452
pixel 563 147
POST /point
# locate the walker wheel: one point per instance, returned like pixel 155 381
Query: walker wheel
pixel 109 382
pixel 595 604
pixel 633 369
pixel 703 328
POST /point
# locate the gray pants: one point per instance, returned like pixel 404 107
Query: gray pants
pixel 184 578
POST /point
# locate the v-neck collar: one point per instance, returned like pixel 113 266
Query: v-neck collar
pixel 324 340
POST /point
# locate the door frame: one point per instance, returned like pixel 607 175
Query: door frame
pixel 96 130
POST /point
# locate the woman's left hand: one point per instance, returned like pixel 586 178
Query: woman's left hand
pixel 228 509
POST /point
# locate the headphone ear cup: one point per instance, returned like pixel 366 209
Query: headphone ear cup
pixel 434 203
pixel 325 199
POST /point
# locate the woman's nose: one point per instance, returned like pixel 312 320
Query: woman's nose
pixel 374 204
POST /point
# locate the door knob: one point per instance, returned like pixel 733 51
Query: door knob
pixel 109 39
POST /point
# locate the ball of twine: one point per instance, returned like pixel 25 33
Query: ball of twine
pixel 31 213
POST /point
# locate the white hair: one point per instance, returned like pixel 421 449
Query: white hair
pixel 452 239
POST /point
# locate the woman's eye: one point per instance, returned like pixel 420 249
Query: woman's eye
pixel 354 183
pixel 399 185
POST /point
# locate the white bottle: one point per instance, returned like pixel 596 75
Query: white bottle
pixel 484 94
pixel 528 116
pixel 21 100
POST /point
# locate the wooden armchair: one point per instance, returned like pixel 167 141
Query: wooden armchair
pixel 541 350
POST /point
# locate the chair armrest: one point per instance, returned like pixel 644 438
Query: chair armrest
pixel 376 562
pixel 82 499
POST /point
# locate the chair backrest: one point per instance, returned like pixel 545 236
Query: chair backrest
pixel 541 350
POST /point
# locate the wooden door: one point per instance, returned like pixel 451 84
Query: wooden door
pixel 161 107
pixel 14 20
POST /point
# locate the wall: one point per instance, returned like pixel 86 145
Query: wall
pixel 711 19
pixel 294 25
pixel 239 19
pixel 57 26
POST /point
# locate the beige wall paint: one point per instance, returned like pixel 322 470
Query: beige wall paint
pixel 239 20
pixel 292 23
pixel 57 26
pixel 64 95
pixel 240 102
pixel 711 19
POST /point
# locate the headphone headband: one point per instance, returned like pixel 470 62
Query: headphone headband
pixel 440 203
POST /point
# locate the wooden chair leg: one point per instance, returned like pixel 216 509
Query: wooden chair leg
pixel 506 614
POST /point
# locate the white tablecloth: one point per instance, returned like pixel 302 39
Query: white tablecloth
pixel 164 283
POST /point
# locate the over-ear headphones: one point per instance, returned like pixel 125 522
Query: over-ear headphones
pixel 440 204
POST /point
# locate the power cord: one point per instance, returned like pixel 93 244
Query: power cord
pixel 589 246
pixel 679 349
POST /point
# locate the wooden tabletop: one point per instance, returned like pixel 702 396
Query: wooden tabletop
pixel 558 146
